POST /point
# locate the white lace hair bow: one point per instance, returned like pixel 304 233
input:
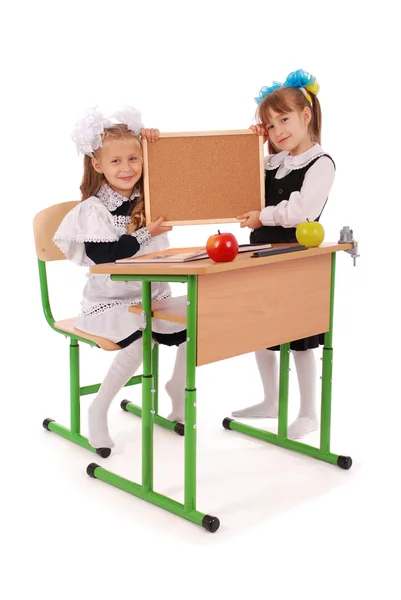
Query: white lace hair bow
pixel 87 134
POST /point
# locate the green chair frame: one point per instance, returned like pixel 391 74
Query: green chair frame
pixel 45 224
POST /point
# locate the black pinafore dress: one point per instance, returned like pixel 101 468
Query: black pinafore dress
pixel 277 190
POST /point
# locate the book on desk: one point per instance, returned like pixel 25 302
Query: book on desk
pixel 182 255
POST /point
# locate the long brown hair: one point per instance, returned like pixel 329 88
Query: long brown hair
pixel 287 99
pixel 92 181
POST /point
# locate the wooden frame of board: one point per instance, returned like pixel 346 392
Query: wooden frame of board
pixel 193 178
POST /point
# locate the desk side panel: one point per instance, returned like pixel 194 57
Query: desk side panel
pixel 250 309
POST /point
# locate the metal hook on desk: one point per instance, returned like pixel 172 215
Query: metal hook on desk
pixel 347 237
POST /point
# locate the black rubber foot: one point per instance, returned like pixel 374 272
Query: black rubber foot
pixel 179 428
pixel 344 462
pixel 124 404
pixel 46 423
pixel 226 423
pixel 103 452
pixel 210 523
pixel 90 469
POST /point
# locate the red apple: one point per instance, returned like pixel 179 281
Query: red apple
pixel 222 247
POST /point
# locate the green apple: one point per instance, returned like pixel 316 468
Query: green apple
pixel 310 234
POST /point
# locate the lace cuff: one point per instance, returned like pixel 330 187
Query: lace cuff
pixel 143 236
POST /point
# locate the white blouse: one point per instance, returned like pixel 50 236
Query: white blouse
pixel 91 221
pixel 308 203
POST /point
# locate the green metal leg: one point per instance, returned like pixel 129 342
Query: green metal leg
pixel 327 370
pixel 175 426
pixel 155 371
pixel 73 434
pixel 137 410
pixel 147 396
pixel 75 412
pixel 323 453
pixel 190 399
pixel 283 391
pixel 187 510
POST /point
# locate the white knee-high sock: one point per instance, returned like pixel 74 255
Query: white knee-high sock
pixel 306 422
pixel 176 386
pixel 123 367
pixel 268 368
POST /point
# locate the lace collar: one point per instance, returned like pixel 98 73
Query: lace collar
pixel 112 199
pixel 273 161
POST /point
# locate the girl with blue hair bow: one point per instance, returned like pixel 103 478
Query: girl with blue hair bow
pixel 298 179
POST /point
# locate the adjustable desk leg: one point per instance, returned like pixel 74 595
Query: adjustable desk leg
pixel 344 462
pixel 155 373
pixel 209 522
pixel 327 370
pixel 283 391
pixel 190 397
pixel 147 395
pixel 322 453
pixel 137 410
pixel 187 510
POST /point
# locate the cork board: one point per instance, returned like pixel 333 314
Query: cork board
pixel 203 177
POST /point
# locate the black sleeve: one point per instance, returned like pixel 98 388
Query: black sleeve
pixel 104 252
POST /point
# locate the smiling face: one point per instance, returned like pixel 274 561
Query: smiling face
pixel 290 130
pixel 120 161
pixel 292 121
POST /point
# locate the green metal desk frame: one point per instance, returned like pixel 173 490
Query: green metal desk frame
pixel 188 509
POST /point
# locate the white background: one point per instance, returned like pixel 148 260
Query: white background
pixel 289 525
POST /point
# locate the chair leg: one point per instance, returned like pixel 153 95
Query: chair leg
pixel 73 434
pixel 75 409
pixel 137 410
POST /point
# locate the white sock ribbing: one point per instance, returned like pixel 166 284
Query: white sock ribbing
pixel 123 367
pixel 176 386
pixel 268 368
pixel 306 422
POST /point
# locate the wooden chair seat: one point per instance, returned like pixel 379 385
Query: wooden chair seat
pixel 67 325
pixel 169 309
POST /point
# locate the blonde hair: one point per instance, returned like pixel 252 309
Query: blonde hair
pixel 92 181
pixel 288 99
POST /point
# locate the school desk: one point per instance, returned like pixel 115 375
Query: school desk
pixel 232 308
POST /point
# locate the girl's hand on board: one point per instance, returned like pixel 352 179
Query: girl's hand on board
pixel 251 219
pixel 260 130
pixel 151 135
pixel 156 228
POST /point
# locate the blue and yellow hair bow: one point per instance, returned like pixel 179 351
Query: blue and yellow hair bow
pixel 298 79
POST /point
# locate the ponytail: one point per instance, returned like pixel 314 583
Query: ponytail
pixel 315 125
